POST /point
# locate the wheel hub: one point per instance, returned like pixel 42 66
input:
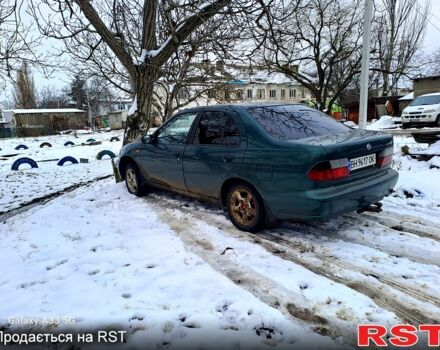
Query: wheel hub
pixel 131 180
pixel 243 207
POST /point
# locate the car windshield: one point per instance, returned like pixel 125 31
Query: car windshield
pixel 426 100
pixel 293 122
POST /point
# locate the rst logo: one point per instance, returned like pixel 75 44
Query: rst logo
pixel 403 335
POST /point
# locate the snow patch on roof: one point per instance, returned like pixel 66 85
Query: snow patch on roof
pixel 408 97
pixel 36 110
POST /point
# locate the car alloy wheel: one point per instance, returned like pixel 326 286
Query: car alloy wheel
pixel 245 209
pixel 133 180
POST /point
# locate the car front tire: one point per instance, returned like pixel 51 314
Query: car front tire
pixel 133 180
pixel 245 208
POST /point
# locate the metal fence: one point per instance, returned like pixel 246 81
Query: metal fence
pixel 41 124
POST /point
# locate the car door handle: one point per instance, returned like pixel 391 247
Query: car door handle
pixel 228 157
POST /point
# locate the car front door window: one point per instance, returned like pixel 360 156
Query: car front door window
pixel 176 131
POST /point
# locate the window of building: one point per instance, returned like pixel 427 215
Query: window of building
pixel 239 94
pixel 211 93
pixel 292 93
pixel 283 94
pixel 273 93
pixel 261 94
pixel 249 94
pixel 217 128
pixel 303 93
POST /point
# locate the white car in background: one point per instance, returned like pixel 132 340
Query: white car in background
pixel 423 110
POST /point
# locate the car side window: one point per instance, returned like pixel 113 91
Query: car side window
pixel 176 131
pixel 217 128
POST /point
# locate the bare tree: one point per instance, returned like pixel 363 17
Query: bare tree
pixel 198 67
pixel 99 96
pixel 432 64
pixel 315 42
pixel 51 97
pixel 24 89
pixel 18 43
pixel 108 25
pixel 400 28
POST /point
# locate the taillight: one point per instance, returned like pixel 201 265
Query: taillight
pixel 385 157
pixel 330 170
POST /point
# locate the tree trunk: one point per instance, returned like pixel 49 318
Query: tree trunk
pixel 139 122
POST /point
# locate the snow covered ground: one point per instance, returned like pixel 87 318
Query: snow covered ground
pixel 174 272
pixel 23 186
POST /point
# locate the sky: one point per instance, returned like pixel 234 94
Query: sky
pixel 432 41
pixel 60 79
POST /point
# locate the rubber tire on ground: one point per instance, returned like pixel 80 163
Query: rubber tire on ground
pixel 260 221
pixel 44 144
pixel 67 159
pixel 91 140
pixel 141 188
pixel 405 125
pixel 437 122
pixel 69 143
pixel 19 147
pixel 105 152
pixel 114 138
pixel 24 160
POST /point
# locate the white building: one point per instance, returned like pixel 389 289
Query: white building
pixel 244 84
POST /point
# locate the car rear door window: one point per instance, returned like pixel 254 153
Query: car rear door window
pixel 176 130
pixel 293 122
pixel 217 128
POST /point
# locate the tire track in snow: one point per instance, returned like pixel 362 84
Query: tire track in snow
pixel 385 294
pixel 383 238
pixel 403 224
pixel 47 198
pixel 262 287
pixel 413 292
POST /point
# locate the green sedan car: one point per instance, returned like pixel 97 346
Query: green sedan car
pixel 263 163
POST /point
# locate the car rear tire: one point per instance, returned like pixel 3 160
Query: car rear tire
pixel 245 208
pixel 437 122
pixel 133 180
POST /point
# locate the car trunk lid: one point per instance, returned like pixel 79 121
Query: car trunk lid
pixel 361 150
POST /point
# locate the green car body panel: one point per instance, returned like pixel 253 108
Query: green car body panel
pixel 276 169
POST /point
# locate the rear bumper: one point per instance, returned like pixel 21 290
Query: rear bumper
pixel 326 203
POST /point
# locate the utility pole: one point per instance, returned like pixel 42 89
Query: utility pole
pixel 363 105
pixel 88 106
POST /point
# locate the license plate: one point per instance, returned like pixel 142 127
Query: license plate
pixel 362 162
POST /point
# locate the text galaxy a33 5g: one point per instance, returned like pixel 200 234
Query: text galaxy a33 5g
pixel 263 163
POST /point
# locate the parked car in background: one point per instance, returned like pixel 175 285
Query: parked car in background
pixel 423 110
pixel 263 163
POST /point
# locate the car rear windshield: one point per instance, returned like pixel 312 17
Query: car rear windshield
pixel 293 122
pixel 426 100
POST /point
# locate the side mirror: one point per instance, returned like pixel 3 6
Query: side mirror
pixel 151 139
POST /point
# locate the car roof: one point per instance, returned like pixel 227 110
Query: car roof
pixel 237 106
